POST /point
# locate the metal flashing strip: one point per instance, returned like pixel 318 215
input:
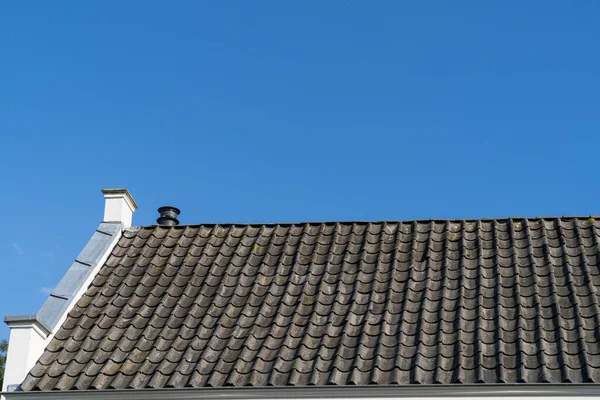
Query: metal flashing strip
pixel 66 292
pixel 326 392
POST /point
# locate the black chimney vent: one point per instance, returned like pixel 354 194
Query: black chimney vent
pixel 168 216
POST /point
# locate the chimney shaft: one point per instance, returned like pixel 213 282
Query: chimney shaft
pixel 168 216
pixel 118 206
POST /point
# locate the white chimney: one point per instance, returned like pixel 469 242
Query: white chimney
pixel 26 344
pixel 119 206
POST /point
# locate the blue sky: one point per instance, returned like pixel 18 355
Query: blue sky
pixel 288 111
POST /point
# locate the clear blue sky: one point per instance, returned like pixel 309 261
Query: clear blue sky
pixel 288 111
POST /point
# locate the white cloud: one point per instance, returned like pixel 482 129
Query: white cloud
pixel 17 248
pixel 46 290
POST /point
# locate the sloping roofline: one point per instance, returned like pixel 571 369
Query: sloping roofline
pixel 479 391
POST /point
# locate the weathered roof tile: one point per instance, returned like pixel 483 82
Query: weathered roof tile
pixel 513 300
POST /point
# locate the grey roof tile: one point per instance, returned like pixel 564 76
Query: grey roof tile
pixel 487 301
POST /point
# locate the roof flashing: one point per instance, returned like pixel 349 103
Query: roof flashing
pixel 83 268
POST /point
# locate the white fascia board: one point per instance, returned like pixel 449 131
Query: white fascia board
pixel 408 392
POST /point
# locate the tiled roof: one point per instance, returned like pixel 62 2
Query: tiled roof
pixel 484 301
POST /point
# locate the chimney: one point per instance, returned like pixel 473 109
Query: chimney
pixel 168 216
pixel 119 206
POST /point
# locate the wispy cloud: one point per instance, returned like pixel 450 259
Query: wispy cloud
pixel 46 290
pixel 17 248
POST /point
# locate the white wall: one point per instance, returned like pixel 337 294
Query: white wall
pixel 26 343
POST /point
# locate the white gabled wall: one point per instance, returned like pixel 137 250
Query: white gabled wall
pixel 30 334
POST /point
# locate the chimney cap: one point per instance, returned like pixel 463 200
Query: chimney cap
pixel 168 216
pixel 111 193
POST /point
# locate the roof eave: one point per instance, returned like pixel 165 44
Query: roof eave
pixel 568 390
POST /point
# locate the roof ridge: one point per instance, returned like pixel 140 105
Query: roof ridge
pixel 592 217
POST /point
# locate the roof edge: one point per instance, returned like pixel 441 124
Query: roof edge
pixel 591 217
pixel 68 290
pixel 516 390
